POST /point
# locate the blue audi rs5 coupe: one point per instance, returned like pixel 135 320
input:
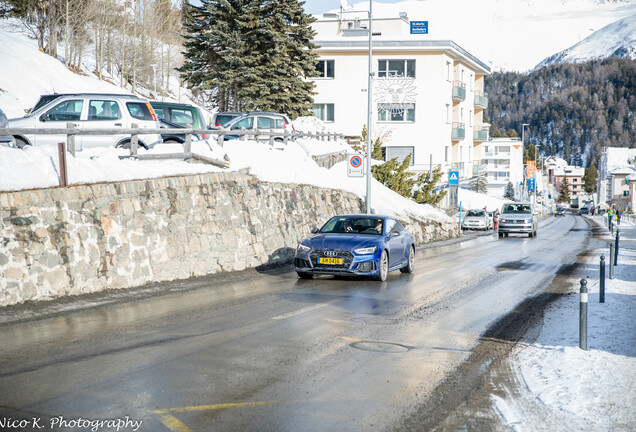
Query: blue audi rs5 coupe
pixel 356 245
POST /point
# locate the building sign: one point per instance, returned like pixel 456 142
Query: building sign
pixel 531 168
pixel 419 27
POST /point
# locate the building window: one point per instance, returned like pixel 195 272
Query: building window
pixel 400 153
pixel 448 113
pixel 471 82
pixel 446 154
pixel 449 71
pixel 386 114
pixel 324 112
pixel 325 69
pixel 396 68
pixel 470 118
pixel 574 180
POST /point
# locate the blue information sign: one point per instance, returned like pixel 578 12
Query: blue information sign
pixel 419 27
pixel 453 178
pixel 531 184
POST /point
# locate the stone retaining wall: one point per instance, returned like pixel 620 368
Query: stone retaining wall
pixel 81 239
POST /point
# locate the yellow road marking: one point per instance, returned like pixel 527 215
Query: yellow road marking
pixel 212 407
pixel 173 424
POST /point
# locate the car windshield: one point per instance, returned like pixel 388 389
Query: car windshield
pixel 353 225
pixel 516 208
pixel 475 213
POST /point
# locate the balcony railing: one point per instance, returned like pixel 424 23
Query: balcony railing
pixel 459 91
pixel 458 132
pixel 480 133
pixel 479 168
pixel 458 166
pixel 481 99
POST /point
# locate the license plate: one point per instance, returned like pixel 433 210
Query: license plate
pixel 330 260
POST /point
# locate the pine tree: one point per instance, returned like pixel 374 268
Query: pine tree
pixel 479 184
pixel 589 179
pixel 425 188
pixel 509 193
pixel 252 55
pixel 564 191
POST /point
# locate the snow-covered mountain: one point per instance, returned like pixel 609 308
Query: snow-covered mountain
pixel 510 34
pixel 616 39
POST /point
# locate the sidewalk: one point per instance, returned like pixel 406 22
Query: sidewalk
pixel 565 388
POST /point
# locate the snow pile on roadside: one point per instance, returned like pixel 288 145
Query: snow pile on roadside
pixel 593 389
pixel 473 200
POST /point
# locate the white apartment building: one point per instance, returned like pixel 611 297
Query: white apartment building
pixel 614 166
pixel 427 94
pixel 503 161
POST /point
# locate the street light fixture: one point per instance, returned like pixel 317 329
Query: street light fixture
pixel 369 99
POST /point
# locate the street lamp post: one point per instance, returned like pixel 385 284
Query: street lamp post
pixel 523 143
pixel 369 100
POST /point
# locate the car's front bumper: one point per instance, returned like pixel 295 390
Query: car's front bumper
pixel 518 226
pixel 358 265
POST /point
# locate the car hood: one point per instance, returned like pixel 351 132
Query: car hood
pixel 342 241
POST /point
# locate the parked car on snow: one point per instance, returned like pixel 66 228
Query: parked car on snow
pixel 356 245
pixel 220 118
pixel 518 218
pixel 476 219
pixel 89 111
pixel 259 121
pixel 5 140
pixel 183 115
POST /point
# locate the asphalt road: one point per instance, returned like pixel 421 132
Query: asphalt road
pixel 265 351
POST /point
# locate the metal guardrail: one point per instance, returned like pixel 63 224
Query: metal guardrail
pixel 71 132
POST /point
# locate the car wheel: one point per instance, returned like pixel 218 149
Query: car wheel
pixel 126 145
pixel 20 143
pixel 171 141
pixel 501 235
pixel 410 265
pixel 304 275
pixel 383 268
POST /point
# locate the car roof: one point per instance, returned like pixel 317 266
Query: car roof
pixel 173 104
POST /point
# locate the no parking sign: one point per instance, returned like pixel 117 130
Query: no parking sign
pixel 355 166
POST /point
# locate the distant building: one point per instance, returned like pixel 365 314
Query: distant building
pixel 427 94
pixel 503 160
pixel 616 169
pixel 558 170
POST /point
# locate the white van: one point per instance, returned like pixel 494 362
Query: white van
pixel 89 111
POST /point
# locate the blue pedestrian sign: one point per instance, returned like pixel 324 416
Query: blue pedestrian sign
pixel 453 178
pixel 531 184
pixel 419 27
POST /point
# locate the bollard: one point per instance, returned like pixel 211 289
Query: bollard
pixel 611 275
pixel 583 316
pixel 616 247
pixel 601 293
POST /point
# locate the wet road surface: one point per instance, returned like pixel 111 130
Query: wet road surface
pixel 269 352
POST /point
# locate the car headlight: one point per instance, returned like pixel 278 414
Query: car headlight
pixel 303 248
pixel 366 250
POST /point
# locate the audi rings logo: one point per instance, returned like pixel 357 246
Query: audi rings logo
pixel 331 253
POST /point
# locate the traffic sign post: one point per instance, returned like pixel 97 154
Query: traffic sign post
pixel 453 178
pixel 355 166
pixel 453 183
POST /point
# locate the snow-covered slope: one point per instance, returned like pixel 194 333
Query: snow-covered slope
pixel 509 34
pixel 616 39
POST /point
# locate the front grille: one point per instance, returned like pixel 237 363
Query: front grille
pixel 347 258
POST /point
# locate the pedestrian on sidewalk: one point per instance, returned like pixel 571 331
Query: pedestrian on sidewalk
pixel 618 217
pixel 495 219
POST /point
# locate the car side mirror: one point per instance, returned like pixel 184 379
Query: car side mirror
pixel 395 234
pixel 45 117
pixel 314 230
